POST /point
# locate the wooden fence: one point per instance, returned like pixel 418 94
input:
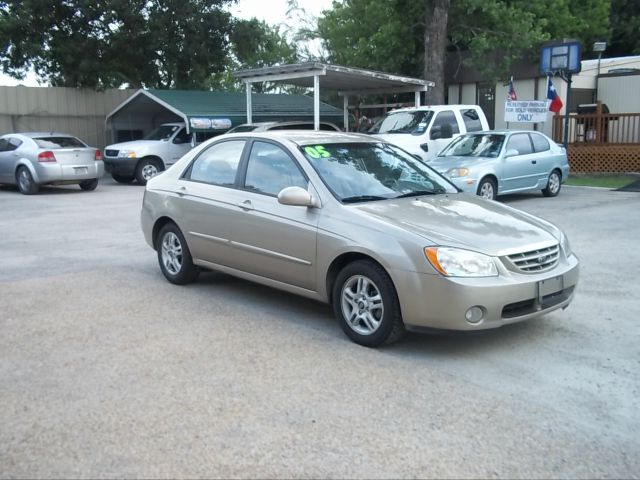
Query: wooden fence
pixel 601 142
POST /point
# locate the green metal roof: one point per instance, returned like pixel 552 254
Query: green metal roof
pixel 203 111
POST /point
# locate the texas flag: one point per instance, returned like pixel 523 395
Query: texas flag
pixel 555 103
pixel 511 94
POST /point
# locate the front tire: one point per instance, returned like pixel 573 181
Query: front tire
pixel 553 184
pixel 26 183
pixel 146 169
pixel 366 304
pixel 488 189
pixel 174 256
pixel 88 185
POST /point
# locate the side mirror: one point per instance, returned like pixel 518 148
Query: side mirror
pixel 295 196
pixel 177 141
pixel 446 131
pixel 512 152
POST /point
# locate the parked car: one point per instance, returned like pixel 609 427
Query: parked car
pixel 30 160
pixel 142 159
pixel 500 162
pixel 291 125
pixel 425 131
pixel 361 224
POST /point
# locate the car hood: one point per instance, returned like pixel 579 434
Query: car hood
pixel 442 164
pixel 133 145
pixel 464 221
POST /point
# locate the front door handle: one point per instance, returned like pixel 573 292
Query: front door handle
pixel 246 205
pixel 182 190
pixel 534 161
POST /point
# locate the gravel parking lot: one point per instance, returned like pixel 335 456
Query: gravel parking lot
pixel 107 370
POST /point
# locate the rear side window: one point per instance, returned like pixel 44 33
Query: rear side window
pixel 540 144
pixel 521 143
pixel 471 120
pixel 218 164
pixel 58 142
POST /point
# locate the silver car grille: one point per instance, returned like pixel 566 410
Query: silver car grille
pixel 535 261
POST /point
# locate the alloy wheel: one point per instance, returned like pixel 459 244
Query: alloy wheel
pixel 362 304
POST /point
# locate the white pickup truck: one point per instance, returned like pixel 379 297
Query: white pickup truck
pixel 142 159
pixel 425 131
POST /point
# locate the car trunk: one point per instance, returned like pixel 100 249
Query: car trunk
pixel 74 162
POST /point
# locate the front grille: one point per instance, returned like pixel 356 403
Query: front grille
pixel 111 153
pixel 535 260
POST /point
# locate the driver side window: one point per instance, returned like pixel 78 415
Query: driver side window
pixel 445 125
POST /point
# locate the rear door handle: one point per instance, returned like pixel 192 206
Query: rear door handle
pixel 182 191
pixel 246 205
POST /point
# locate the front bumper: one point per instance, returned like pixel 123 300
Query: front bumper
pixel 438 302
pixel 120 166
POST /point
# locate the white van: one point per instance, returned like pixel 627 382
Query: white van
pixel 425 131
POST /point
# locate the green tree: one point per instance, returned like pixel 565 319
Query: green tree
pixel 105 43
pixel 625 28
pixel 397 35
pixel 254 44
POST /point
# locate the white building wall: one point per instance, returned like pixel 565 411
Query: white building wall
pixel 468 94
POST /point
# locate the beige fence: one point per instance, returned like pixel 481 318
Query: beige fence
pixel 80 112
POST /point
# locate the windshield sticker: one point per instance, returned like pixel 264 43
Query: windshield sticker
pixel 317 152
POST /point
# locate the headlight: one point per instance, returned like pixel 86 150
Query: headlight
pixel 127 154
pixel 564 244
pixel 455 262
pixel 457 172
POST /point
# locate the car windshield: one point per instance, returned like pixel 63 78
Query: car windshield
pixel 163 132
pixel 485 145
pixel 58 142
pixel 415 122
pixel 357 172
pixel 243 128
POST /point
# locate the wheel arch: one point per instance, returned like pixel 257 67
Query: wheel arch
pixel 155 158
pixel 342 261
pixel 29 166
pixel 157 226
pixel 491 176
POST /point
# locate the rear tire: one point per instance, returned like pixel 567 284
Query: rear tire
pixel 146 169
pixel 553 184
pixel 123 178
pixel 174 256
pixel 88 185
pixel 366 304
pixel 26 183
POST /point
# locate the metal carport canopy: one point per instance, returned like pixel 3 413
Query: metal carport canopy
pixel 345 80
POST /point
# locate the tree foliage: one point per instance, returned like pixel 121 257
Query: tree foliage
pixel 104 43
pixel 389 35
pixel 254 44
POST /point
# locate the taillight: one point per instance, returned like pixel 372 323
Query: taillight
pixel 46 157
pixel 98 156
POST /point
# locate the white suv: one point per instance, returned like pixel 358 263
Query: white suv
pixel 425 131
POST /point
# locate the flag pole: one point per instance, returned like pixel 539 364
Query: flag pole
pixel 566 113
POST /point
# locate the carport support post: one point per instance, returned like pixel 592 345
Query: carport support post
pixel 249 106
pixel 417 98
pixel 316 102
pixel 345 103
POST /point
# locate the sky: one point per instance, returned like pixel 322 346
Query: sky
pixel 273 12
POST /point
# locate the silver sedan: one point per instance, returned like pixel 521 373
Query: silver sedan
pixel 359 223
pixel 495 163
pixel 29 160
